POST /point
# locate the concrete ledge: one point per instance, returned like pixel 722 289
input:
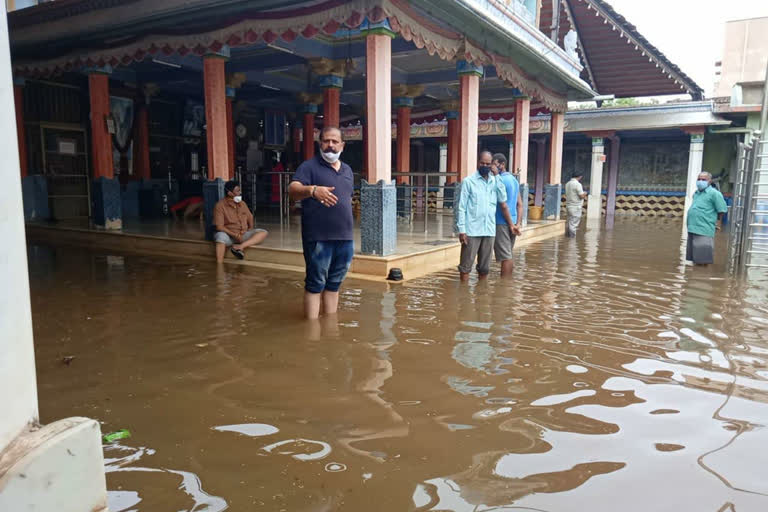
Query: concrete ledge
pixel 373 268
pixel 57 467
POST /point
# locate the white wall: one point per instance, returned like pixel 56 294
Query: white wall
pixel 18 389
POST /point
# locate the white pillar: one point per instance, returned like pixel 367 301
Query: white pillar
pixel 511 160
pixel 17 357
pixel 595 201
pixel 58 466
pixel 695 160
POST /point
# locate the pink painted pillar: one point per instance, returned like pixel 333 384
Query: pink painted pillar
pixel 541 165
pixel 613 176
pixel 556 134
pixel 379 106
pixel 469 80
pixel 216 115
pixel 522 120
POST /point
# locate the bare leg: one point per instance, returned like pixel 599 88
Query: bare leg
pixel 221 249
pixel 330 302
pixel 464 276
pixel 507 266
pixel 311 305
pixel 482 277
pixel 254 240
pixel 192 210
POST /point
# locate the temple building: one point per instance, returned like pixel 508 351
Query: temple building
pixel 130 106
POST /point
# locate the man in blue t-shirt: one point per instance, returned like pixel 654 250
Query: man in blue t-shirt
pixel 324 185
pixel 505 237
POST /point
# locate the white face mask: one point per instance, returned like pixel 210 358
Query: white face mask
pixel 237 199
pixel 330 157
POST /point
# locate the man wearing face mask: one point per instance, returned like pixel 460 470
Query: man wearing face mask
pixel 234 224
pixel 324 185
pixel 704 218
pixel 476 220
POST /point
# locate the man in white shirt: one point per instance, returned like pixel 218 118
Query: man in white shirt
pixel 574 202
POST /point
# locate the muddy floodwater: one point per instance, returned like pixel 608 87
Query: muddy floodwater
pixel 605 376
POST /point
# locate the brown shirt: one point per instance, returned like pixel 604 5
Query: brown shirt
pixel 233 216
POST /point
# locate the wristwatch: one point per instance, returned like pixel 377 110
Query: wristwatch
pixel 314 187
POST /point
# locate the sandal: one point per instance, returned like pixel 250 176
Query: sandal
pixel 237 253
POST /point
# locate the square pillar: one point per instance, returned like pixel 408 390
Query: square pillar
pixel 469 82
pixel 452 119
pixel 378 218
pixel 21 132
pixel 541 166
pixel 378 194
pixel 522 125
pixel 695 161
pixel 230 91
pixel 613 176
pixel 331 85
pixel 107 204
pixel 101 139
pixel 141 162
pixel 310 109
pixel 216 113
pixel 524 191
pixel 553 191
pixel 403 160
pixel 213 192
pixel 595 201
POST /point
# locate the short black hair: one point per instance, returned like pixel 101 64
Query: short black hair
pixel 499 157
pixel 231 185
pixel 577 174
pixel 329 128
pixel 481 153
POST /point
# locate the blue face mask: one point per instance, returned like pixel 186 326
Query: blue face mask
pixel 702 184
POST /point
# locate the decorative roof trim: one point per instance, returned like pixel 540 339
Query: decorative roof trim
pixel 629 31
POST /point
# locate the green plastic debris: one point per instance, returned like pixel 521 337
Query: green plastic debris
pixel 116 436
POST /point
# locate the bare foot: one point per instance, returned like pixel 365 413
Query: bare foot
pixel 237 247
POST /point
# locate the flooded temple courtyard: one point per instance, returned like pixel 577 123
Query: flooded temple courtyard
pixel 605 375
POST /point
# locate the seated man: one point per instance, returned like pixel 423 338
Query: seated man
pixel 234 224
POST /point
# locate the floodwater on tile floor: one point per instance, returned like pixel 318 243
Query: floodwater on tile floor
pixel 604 375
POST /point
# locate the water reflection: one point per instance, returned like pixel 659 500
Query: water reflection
pixel 605 371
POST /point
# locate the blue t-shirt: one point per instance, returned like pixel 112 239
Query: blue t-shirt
pixel 320 223
pixel 513 191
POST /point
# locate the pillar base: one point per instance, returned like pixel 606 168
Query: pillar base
pixel 107 211
pixel 524 191
pixel 34 191
pixel 404 201
pixel 594 207
pixel 213 192
pixel 59 466
pixel 552 198
pixel 378 218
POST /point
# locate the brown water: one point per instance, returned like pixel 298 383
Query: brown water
pixel 605 376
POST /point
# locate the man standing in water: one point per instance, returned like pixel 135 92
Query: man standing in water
pixel 704 218
pixel 324 185
pixel 574 202
pixel 476 222
pixel 505 237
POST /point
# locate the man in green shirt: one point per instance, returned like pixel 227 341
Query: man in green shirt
pixel 704 218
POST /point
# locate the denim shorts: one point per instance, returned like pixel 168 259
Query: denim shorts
pixel 327 264
pixel 222 238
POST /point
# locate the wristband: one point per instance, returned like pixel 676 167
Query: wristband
pixel 314 187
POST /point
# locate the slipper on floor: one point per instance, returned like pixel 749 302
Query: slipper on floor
pixel 238 254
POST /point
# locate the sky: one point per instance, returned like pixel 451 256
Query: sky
pixel 689 32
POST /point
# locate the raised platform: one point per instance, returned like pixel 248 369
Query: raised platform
pixel 423 247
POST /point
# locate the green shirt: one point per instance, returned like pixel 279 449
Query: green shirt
pixel 702 215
